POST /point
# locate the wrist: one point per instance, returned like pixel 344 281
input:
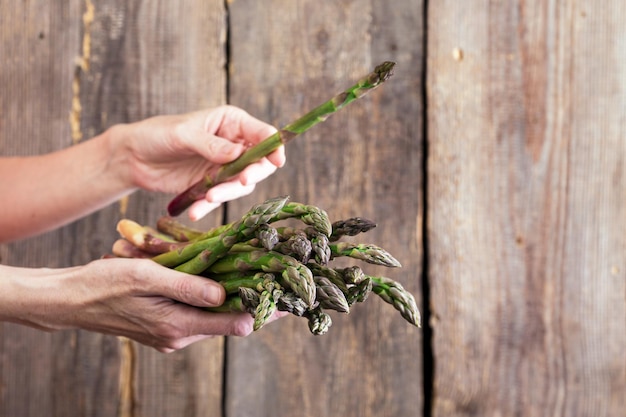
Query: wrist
pixel 116 140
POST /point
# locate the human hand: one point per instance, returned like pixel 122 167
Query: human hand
pixel 135 298
pixel 170 153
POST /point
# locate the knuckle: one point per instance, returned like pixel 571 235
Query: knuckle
pixel 241 327
pixel 184 290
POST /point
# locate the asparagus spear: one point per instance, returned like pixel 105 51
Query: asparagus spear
pixel 379 75
pixel 176 229
pixel 298 246
pixel 293 304
pixel 330 296
pixel 310 215
pixel 146 238
pixel 319 321
pixel 366 252
pixel 394 293
pixel 350 227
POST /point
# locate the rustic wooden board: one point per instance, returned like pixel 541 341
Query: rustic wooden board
pixel 161 58
pixel 70 71
pixel 526 108
pixel 286 58
pixel 71 372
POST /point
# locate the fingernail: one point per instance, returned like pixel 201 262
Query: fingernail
pixel 215 295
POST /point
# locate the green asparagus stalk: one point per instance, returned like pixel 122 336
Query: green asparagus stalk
pixel 319 321
pixel 293 304
pixel 265 309
pixel 209 250
pixel 394 293
pixel 233 304
pixel 294 274
pixel 333 275
pixel 177 230
pixel 366 252
pixel 379 75
pixel 298 246
pixel 308 214
pixel 359 292
pixel 350 227
pixel 250 299
pixel 330 296
pixel 232 286
pixel 352 275
pixel 267 236
pixel 320 247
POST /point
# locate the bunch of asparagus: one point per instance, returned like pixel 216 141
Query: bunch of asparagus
pixel 266 267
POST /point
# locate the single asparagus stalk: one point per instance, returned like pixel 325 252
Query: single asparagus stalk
pixel 350 227
pixel 334 276
pixel 146 238
pixel 330 296
pixel 319 244
pixel 266 307
pixel 179 231
pixel 232 286
pixel 293 304
pixel 249 299
pixel 310 215
pixel 352 274
pixel 379 75
pixel 359 292
pixel 394 293
pixel 298 246
pixel 295 274
pixel 267 236
pixel 366 252
pixel 122 248
pixel 209 250
pixel 319 321
pixel 233 304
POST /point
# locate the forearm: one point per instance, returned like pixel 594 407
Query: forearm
pixel 28 294
pixel 43 192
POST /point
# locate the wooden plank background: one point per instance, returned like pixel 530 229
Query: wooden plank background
pixel 526 196
pixel 506 116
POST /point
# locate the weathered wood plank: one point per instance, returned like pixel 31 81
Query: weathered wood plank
pixel 526 197
pixel 72 70
pixel 71 372
pixel 286 58
pixel 167 58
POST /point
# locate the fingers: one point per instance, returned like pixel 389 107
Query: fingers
pixel 255 173
pixel 236 123
pixel 201 208
pixel 217 195
pixel 194 325
pixel 239 187
pixel 188 289
pixel 188 325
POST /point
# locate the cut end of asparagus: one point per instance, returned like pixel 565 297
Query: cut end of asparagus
pixel 184 200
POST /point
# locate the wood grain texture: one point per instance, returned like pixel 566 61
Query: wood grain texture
pixel 156 58
pixel 69 72
pixel 68 373
pixel 527 104
pixel 286 58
